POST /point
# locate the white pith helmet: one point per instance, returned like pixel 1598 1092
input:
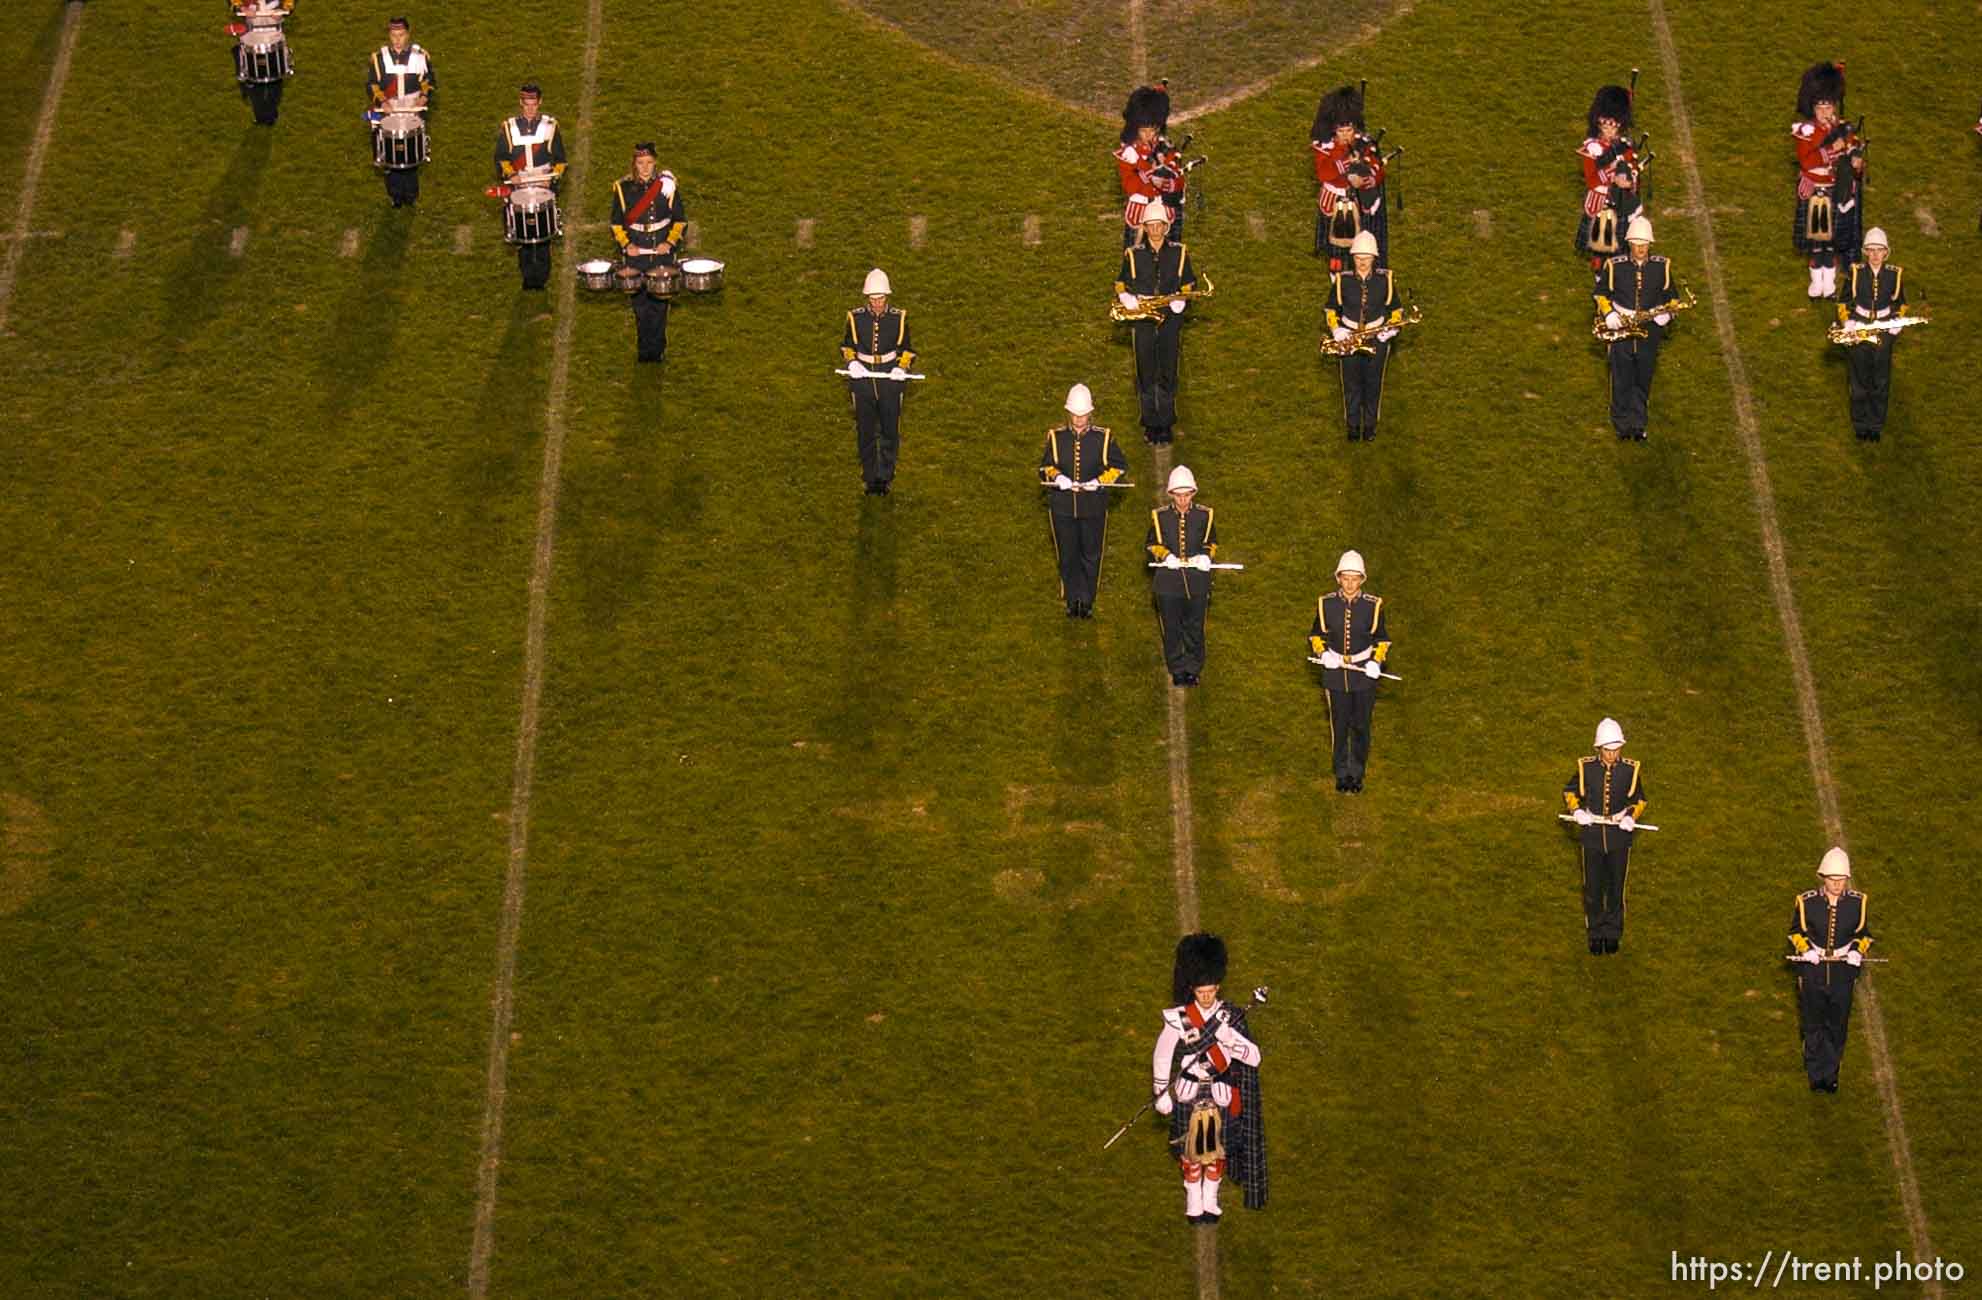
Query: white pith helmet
pixel 1079 400
pixel 1365 245
pixel 1875 238
pixel 1639 231
pixel 1351 562
pixel 877 284
pixel 1836 863
pixel 1181 480
pixel 1156 211
pixel 1609 733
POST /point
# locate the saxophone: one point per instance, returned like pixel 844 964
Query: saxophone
pixel 1633 326
pixel 1853 333
pixel 1364 339
pixel 1152 306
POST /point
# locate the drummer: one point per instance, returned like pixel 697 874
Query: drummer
pixel 647 220
pixel 529 147
pixel 401 81
pixel 264 97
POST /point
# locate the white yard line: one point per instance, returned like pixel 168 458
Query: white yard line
pixel 44 132
pixel 1818 749
pixel 1368 32
pixel 503 999
pixel 1138 45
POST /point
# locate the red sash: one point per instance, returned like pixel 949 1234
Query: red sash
pixel 639 209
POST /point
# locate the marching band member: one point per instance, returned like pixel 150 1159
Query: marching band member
pixel 1205 1060
pixel 1358 299
pixel 1828 169
pixel 1350 171
pixel 647 221
pixel 1183 540
pixel 1874 290
pixel 877 352
pixel 1148 167
pixel 1352 639
pixel 1080 457
pixel 531 144
pixel 401 80
pixel 1605 797
pixel 1153 267
pixel 1610 181
pixel 264 97
pixel 1829 939
pixel 1634 281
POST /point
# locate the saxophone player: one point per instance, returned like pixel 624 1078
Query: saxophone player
pixel 1157 266
pixel 1873 290
pixel 1635 282
pixel 1361 300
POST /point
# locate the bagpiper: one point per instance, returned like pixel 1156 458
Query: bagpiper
pixel 1830 162
pixel 1080 460
pixel 1636 281
pixel 876 349
pixel 400 82
pixel 1182 543
pixel 1205 1076
pixel 1605 798
pixel 1362 299
pixel 1150 170
pixel 1828 938
pixel 648 218
pixel 1610 177
pixel 1352 639
pixel 1349 169
pixel 1874 290
pixel 1156 267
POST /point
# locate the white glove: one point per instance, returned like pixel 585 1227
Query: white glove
pixel 1202 563
pixel 1172 562
pixel 1163 1103
pixel 1341 332
pixel 1128 300
pixel 1627 823
pixel 898 374
pixel 1177 305
pixel 1663 318
pixel 1582 817
pixel 1092 485
pixel 1331 659
pixel 1387 335
pixel 1062 482
pixel 1853 957
pixel 1226 1035
pixel 1372 668
pixel 1612 320
pixel 1810 956
pixel 855 369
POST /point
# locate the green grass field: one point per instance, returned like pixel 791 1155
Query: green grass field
pixel 850 893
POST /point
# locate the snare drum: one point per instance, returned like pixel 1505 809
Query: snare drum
pixel 530 217
pixel 399 142
pixel 664 281
pixel 596 274
pixel 262 57
pixel 702 275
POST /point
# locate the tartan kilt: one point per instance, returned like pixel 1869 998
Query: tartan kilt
pixel 1847 228
pixel 1588 223
pixel 1245 1135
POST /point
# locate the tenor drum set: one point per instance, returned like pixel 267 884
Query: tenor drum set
pixel 696 275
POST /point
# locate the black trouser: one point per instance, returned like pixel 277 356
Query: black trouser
pixel 1158 344
pixel 265 98
pixel 534 261
pixel 877 419
pixel 1362 388
pixel 1078 540
pixel 1869 368
pixel 650 325
pixel 1824 999
pixel 403 186
pixel 1632 362
pixel 1183 630
pixel 1349 717
pixel 1606 857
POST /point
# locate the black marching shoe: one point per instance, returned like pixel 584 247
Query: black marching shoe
pixel 1179 679
pixel 1596 947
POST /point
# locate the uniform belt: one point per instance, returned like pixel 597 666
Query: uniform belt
pixel 649 227
pixel 1361 325
pixel 1880 314
pixel 872 360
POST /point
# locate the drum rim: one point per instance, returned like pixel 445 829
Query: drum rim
pixel 700 266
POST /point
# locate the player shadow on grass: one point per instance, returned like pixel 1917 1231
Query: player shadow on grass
pixel 367 319
pixel 615 511
pixel 493 464
pixel 198 288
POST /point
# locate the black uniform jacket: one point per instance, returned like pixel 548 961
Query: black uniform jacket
pixel 1354 301
pixel 1194 532
pixel 1623 285
pixel 1871 295
pixel 1080 456
pixel 1354 629
pixel 663 220
pixel 512 154
pixel 1607 792
pixel 1816 922
pixel 384 83
pixel 1148 272
pixel 877 342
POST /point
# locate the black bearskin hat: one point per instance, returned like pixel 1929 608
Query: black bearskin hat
pixel 1613 102
pixel 1822 81
pixel 1200 960
pixel 1338 108
pixel 1148 106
